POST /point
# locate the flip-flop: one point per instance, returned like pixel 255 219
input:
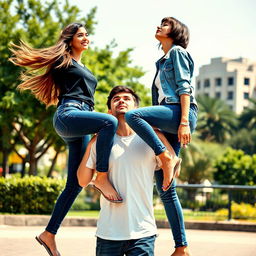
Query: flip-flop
pixel 175 170
pixel 40 241
pixel 110 200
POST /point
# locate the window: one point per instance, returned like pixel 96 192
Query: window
pixel 246 95
pixel 206 94
pixel 206 82
pixel 218 95
pixel 198 85
pixel 230 80
pixel 230 96
pixel 218 81
pixel 246 81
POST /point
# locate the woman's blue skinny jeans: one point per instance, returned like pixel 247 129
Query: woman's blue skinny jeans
pixel 167 119
pixel 74 121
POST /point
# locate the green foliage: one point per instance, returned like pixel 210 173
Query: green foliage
pixel 244 140
pixel 239 211
pixel 111 71
pixel 24 121
pixel 197 161
pixel 248 116
pixel 86 200
pixel 29 195
pixel 216 122
pixel 236 168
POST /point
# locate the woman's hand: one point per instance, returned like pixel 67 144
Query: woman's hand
pixel 184 135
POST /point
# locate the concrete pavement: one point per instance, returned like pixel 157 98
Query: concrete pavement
pixel 73 241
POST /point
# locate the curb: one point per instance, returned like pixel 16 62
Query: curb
pixel 42 220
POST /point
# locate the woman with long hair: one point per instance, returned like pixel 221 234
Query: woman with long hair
pixel 174 113
pixel 56 75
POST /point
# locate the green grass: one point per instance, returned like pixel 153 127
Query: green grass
pixel 160 215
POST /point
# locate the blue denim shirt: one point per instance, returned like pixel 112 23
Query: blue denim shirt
pixel 176 70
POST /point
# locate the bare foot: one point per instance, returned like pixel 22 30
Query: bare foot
pixel 49 239
pixel 103 184
pixel 171 168
pixel 181 251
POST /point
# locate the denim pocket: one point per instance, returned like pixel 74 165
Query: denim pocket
pixel 169 70
pixel 59 125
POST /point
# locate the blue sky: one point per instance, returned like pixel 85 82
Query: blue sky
pixel 218 28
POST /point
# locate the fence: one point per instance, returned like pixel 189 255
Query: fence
pixel 215 197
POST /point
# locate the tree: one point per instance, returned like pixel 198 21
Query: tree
pixel 248 117
pixel 198 160
pixel 244 140
pixel 236 168
pixel 39 24
pixel 112 71
pixel 216 122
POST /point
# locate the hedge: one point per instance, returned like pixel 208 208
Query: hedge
pixel 29 195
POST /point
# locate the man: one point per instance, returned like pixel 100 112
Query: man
pixel 127 228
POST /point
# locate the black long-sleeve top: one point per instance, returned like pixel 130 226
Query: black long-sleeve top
pixel 75 82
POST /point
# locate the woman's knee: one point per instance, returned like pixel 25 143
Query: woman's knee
pixel 131 115
pixel 112 121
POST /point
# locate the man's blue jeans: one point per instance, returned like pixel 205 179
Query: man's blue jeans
pixel 134 247
pixel 74 122
pixel 166 118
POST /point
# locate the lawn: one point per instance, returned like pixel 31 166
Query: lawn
pixel 159 215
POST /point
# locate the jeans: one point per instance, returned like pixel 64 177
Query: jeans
pixel 134 247
pixel 167 118
pixel 74 122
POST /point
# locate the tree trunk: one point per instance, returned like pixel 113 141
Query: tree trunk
pixel 32 163
pixel 53 164
pixel 23 171
pixel 5 162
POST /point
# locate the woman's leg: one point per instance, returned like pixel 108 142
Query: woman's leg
pixel 75 126
pixel 166 118
pixel 79 123
pixel 172 204
pixel 76 148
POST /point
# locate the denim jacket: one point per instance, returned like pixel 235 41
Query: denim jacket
pixel 176 70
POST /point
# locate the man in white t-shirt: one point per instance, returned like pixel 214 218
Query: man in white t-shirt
pixel 127 228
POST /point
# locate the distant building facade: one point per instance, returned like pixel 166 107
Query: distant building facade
pixel 231 80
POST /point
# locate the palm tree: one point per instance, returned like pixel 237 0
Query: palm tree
pixel 197 161
pixel 248 117
pixel 216 122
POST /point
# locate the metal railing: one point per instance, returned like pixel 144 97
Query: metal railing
pixel 233 193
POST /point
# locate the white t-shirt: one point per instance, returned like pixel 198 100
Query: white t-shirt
pixel 131 170
pixel 161 94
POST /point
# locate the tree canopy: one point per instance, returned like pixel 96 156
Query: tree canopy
pixel 24 121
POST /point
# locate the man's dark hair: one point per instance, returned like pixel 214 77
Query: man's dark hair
pixel 121 88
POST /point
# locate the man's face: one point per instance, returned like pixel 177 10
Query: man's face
pixel 121 103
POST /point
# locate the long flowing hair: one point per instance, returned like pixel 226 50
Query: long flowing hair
pixel 38 78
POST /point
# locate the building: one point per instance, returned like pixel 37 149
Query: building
pixel 231 80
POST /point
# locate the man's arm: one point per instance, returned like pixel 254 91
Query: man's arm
pixel 84 173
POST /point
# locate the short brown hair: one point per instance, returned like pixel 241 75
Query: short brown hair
pixel 121 88
pixel 179 31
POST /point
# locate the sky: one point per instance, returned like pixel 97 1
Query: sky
pixel 218 28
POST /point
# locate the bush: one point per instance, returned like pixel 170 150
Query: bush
pixel 29 195
pixel 239 211
pixel 236 168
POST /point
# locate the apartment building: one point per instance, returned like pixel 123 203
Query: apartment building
pixel 232 80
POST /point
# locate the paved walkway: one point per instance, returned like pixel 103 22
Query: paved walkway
pixel 73 241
